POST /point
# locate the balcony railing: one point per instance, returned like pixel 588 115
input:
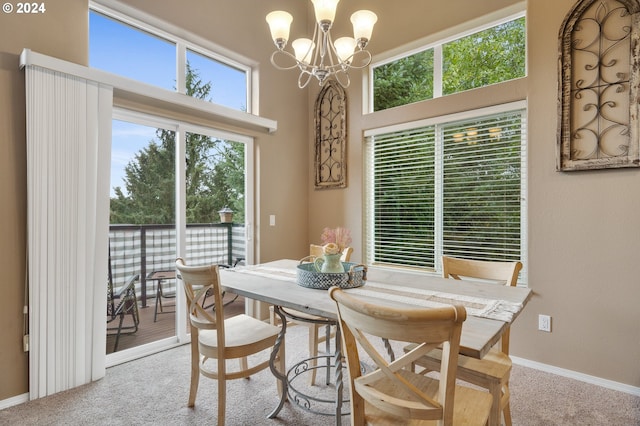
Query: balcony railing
pixel 142 249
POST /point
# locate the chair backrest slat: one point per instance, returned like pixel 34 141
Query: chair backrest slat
pixel 199 281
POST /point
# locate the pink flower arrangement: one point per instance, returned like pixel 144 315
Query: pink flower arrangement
pixel 339 236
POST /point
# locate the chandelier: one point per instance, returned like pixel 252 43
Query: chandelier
pixel 322 57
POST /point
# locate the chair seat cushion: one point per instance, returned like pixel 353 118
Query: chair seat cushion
pixel 241 331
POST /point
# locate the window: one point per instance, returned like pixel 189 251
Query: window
pixel 453 185
pixel 135 50
pixel 131 52
pixel 228 84
pixel 484 57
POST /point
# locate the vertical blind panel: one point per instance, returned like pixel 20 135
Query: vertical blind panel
pixel 451 188
pixel 67 232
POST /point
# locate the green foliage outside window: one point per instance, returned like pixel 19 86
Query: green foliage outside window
pixel 404 81
pixel 490 56
pixel 487 57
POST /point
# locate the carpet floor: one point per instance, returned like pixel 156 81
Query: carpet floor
pixel 154 390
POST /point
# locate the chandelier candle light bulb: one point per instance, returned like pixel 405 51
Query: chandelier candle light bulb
pixel 304 49
pixel 325 12
pixel 363 21
pixel 344 48
pixel 279 24
pixel 331 59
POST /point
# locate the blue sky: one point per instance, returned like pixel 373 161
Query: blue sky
pixel 125 51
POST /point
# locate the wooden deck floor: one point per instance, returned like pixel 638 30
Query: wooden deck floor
pixel 150 331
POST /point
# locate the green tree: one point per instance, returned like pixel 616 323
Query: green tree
pixel 404 81
pixel 150 184
pixel 214 176
pixel 486 57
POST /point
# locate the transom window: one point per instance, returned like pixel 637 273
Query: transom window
pixel 488 55
pixel 452 185
pixel 150 55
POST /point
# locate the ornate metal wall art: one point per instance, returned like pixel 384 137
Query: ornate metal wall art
pixel 331 137
pixel 599 86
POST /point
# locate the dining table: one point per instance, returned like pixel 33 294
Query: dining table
pixel 491 308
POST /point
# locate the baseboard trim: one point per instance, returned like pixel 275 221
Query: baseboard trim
pixel 609 384
pixel 598 381
pixel 14 400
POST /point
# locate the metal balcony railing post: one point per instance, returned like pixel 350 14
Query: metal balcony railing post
pixel 229 243
pixel 143 265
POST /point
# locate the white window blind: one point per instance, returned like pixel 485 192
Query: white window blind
pixel 453 187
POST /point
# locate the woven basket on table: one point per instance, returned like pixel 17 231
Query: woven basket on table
pixel 308 276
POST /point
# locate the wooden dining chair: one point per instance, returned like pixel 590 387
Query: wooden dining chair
pixel 391 393
pixel 214 340
pixel 492 372
pixel 307 320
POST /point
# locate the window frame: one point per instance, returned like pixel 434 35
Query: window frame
pixel 163 30
pixel 436 42
pixel 181 128
pixel 369 211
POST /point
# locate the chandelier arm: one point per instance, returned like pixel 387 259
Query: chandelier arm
pixel 331 51
pixel 327 45
pixel 288 55
pixel 349 61
pixel 302 82
pixel 329 63
pixel 318 55
pixel 315 39
pixel 347 79
pixel 333 69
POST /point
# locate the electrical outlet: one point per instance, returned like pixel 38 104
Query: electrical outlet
pixel 544 323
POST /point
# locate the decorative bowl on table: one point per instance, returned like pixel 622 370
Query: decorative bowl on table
pixel 308 276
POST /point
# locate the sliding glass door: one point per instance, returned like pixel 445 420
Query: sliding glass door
pixel 176 190
pixel 142 233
